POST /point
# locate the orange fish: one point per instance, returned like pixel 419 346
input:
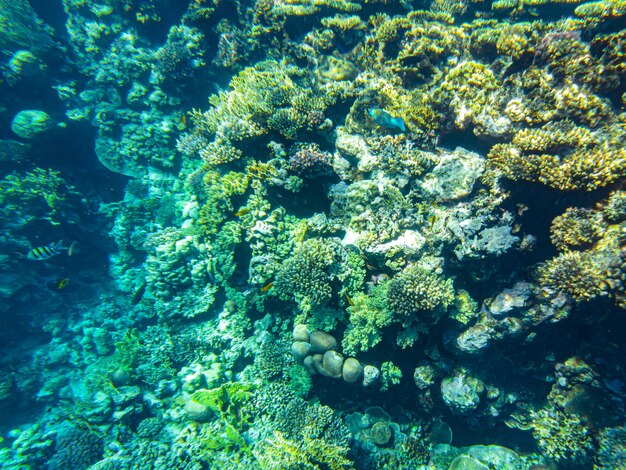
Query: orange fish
pixel 267 287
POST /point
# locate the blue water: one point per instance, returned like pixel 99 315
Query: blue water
pixel 215 257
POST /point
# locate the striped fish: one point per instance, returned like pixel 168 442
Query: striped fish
pixel 46 252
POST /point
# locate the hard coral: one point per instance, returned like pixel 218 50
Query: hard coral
pixel 306 276
pixel 575 273
pixel 576 228
pixel 415 291
pixel 562 155
pixel 310 161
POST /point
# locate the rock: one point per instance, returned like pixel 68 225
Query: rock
pixel 424 376
pixel 30 123
pixel 13 150
pixel 352 370
pixel 440 433
pixel 300 333
pixel 462 393
pixel 322 342
pixel 300 350
pixel 380 433
pixel 121 376
pixel 332 364
pixel 309 365
pixel 510 299
pixel 475 338
pixel 317 362
pixel 197 411
pixel 495 456
pixel 454 176
pixel 371 375
pixel 463 462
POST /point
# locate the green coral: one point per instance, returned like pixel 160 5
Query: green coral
pixel 368 315
pixel 390 375
pixel 228 402
pixel 41 194
pixel 307 276
pixel 299 381
pixel 416 290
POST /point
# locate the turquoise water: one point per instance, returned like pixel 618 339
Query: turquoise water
pixel 312 234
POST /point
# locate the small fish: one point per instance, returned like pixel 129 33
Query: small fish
pixel 182 125
pixel 516 228
pixel 431 221
pixel 521 208
pixel 242 211
pixel 73 249
pixel 63 283
pixel 349 300
pixel 46 252
pixel 138 294
pixel 384 119
pixel 267 287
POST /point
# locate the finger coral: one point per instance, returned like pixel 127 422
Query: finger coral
pixel 415 292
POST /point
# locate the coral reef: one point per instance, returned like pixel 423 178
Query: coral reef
pixel 336 237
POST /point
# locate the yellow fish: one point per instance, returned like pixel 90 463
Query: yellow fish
pixel 63 283
pixel 242 211
pixel 267 287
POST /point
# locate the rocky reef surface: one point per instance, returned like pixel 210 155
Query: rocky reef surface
pixel 313 234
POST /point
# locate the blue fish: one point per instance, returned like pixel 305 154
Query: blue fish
pixel 384 119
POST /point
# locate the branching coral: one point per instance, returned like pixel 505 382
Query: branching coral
pixel 563 438
pixel 307 276
pixel 39 195
pixel 416 291
pixel 576 228
pixel 575 273
pixel 312 454
pixel 562 155
pixel 266 97
pixel 369 314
